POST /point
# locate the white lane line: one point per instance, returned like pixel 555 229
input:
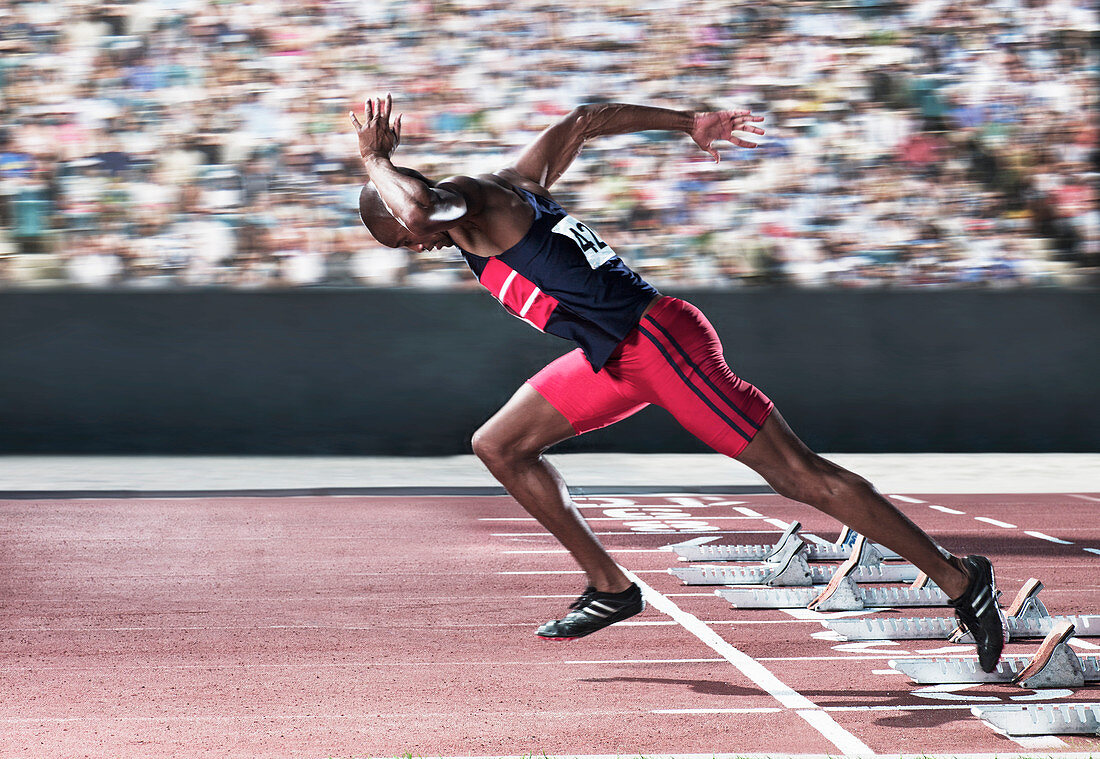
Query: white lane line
pixel 757 673
pixel 905 499
pixel 1083 497
pixel 748 512
pixel 1093 550
pixel 995 522
pixel 1044 536
pixel 946 510
pixel 779 523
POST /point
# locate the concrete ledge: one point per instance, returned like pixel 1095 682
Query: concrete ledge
pixel 904 473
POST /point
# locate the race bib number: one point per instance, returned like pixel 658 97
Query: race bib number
pixel 595 250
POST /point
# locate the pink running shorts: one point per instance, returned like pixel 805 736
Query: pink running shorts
pixel 672 359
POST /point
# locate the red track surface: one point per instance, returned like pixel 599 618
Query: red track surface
pixel 314 627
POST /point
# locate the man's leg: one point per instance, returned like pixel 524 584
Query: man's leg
pixel 687 375
pixel 796 472
pixel 511 445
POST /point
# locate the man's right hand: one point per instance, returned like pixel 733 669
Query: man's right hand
pixel 376 136
pixel 720 125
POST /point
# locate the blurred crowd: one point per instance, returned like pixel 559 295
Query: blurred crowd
pixel 165 143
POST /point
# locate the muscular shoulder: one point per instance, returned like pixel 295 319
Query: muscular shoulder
pixel 496 217
pixel 512 177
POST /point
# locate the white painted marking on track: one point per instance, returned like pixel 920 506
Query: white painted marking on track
pixel 1083 644
pixel 779 523
pixel 748 512
pixel 995 522
pixel 757 672
pixel 905 499
pixel 1039 742
pixel 692 542
pixel 1093 550
pixel 1044 536
pixel 946 510
pixel 1083 497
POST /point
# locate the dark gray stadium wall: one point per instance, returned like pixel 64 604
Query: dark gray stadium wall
pixel 415 372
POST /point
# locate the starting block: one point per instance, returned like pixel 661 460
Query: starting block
pixel 1054 665
pixel 841 594
pixel 791 568
pixel 1041 719
pixel 838 551
pixel 1027 618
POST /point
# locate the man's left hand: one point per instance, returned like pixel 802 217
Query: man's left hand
pixel 720 125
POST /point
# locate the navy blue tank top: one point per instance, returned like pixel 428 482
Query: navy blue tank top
pixel 561 278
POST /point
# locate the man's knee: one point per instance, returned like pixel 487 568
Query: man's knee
pixel 485 445
pixel 496 450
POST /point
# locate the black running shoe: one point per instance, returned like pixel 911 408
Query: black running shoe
pixel 978 612
pixel 594 611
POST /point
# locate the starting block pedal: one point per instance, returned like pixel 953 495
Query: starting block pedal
pixel 1027 618
pixel 1054 665
pixel 1041 719
pixel 838 551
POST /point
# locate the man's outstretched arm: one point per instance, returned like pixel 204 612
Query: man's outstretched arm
pixel 420 207
pixel 551 153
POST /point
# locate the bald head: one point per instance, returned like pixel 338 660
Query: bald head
pixel 377 218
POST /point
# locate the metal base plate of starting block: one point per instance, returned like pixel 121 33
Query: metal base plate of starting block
pixel 814 552
pixel 1054 665
pixel 790 568
pixel 1027 618
pixel 1041 719
pixel 841 594
pixel 769 575
pixel 854 599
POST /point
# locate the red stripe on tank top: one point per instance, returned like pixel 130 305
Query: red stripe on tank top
pixel 519 295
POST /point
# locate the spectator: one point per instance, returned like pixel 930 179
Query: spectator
pixel 909 143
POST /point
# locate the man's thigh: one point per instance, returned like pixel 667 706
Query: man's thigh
pixel 588 400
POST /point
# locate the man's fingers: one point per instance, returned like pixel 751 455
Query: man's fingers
pixel 397 126
pixel 355 121
pixel 389 105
